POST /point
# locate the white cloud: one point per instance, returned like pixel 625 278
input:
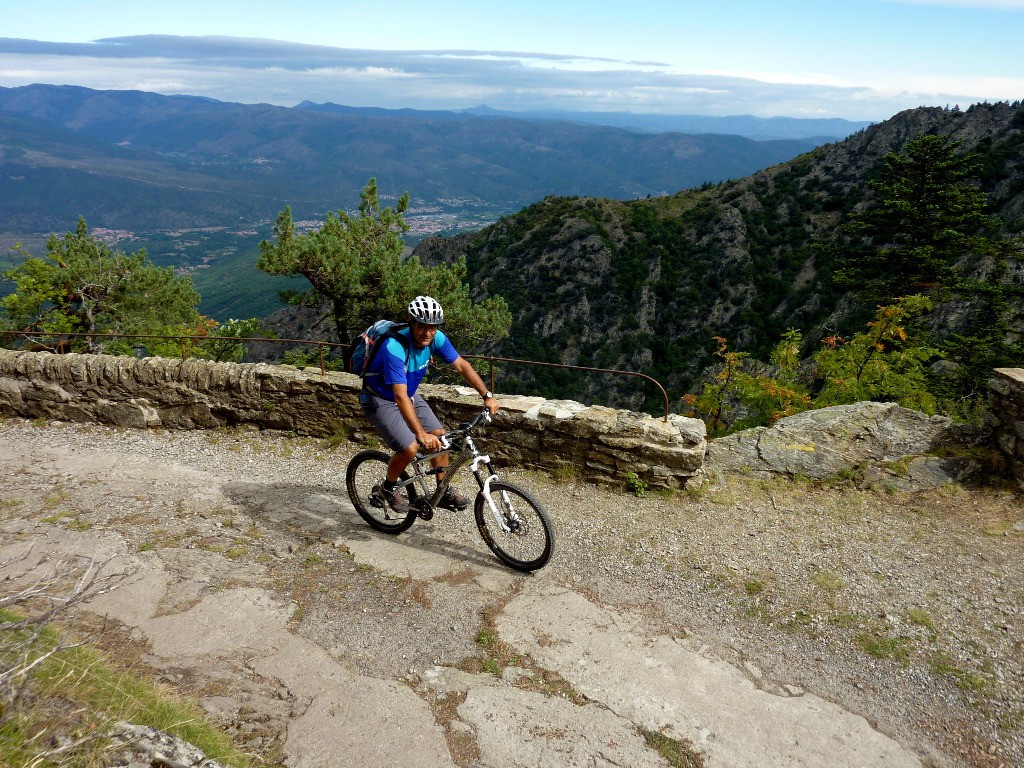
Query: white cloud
pixel 980 88
pixel 280 73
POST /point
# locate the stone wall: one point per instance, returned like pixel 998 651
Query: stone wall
pixel 1006 416
pixel 596 443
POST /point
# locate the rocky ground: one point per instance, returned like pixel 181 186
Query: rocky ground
pixel 904 608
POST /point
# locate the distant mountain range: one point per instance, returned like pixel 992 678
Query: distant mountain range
pixel 143 161
pixel 818 130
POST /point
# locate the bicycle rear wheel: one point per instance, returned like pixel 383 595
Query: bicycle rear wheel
pixel 366 471
pixel 520 534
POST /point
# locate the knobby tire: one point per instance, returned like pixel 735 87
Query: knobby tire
pixel 529 544
pixel 366 470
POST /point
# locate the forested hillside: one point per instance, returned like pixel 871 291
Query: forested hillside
pixel 645 285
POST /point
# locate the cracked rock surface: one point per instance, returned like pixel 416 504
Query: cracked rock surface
pixel 724 623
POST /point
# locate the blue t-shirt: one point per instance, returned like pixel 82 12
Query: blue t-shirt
pixel 389 366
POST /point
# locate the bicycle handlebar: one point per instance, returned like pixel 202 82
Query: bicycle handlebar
pixel 465 429
pixel 484 416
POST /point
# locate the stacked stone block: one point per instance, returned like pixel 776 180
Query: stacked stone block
pixel 1006 416
pixel 594 443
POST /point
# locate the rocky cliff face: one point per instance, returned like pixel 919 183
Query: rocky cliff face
pixel 645 285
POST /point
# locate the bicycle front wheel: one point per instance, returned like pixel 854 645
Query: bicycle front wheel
pixel 517 529
pixel 365 472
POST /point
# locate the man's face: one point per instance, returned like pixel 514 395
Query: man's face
pixel 422 334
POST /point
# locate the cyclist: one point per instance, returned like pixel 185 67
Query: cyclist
pixel 403 418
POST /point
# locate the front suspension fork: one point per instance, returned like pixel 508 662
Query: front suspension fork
pixel 485 491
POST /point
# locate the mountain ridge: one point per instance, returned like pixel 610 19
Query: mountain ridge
pixel 819 130
pixel 246 162
pixel 645 285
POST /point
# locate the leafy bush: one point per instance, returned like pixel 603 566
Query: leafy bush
pixel 882 363
pixel 739 400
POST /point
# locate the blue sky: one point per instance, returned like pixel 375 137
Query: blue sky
pixel 858 59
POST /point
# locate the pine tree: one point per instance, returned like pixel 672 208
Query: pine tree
pixel 927 223
pixel 83 286
pixel 355 267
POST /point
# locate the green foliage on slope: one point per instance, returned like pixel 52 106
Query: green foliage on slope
pixel 83 286
pixel 648 285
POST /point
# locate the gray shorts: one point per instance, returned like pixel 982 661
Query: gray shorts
pixel 386 417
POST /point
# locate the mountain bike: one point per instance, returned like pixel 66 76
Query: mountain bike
pixel 512 523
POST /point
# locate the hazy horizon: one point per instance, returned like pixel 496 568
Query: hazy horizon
pixel 853 59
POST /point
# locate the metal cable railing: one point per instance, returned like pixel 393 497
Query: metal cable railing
pixel 57 340
pixel 492 359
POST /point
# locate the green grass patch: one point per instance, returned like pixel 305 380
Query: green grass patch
pixel 80 691
pixel 966 680
pixel 883 646
pixel 753 587
pixel 487 638
pixel 829 582
pixel 566 473
pixel 844 619
pixel 497 654
pixel 900 467
pixel 336 439
pixel 56 498
pixel 58 517
pixel 677 752
pixel 921 618
pixel 800 619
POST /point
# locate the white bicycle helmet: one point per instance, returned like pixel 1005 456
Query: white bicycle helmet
pixel 424 309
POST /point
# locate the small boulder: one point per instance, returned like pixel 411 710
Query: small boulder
pixel 881 440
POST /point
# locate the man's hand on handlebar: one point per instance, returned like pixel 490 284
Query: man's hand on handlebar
pixel 491 404
pixel 430 443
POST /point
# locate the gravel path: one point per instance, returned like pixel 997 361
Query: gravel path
pixel 904 608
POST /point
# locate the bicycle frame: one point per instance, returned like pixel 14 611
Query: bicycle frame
pixel 421 467
pixel 467 454
pixel 512 523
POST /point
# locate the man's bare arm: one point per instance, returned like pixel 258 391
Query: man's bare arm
pixel 471 377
